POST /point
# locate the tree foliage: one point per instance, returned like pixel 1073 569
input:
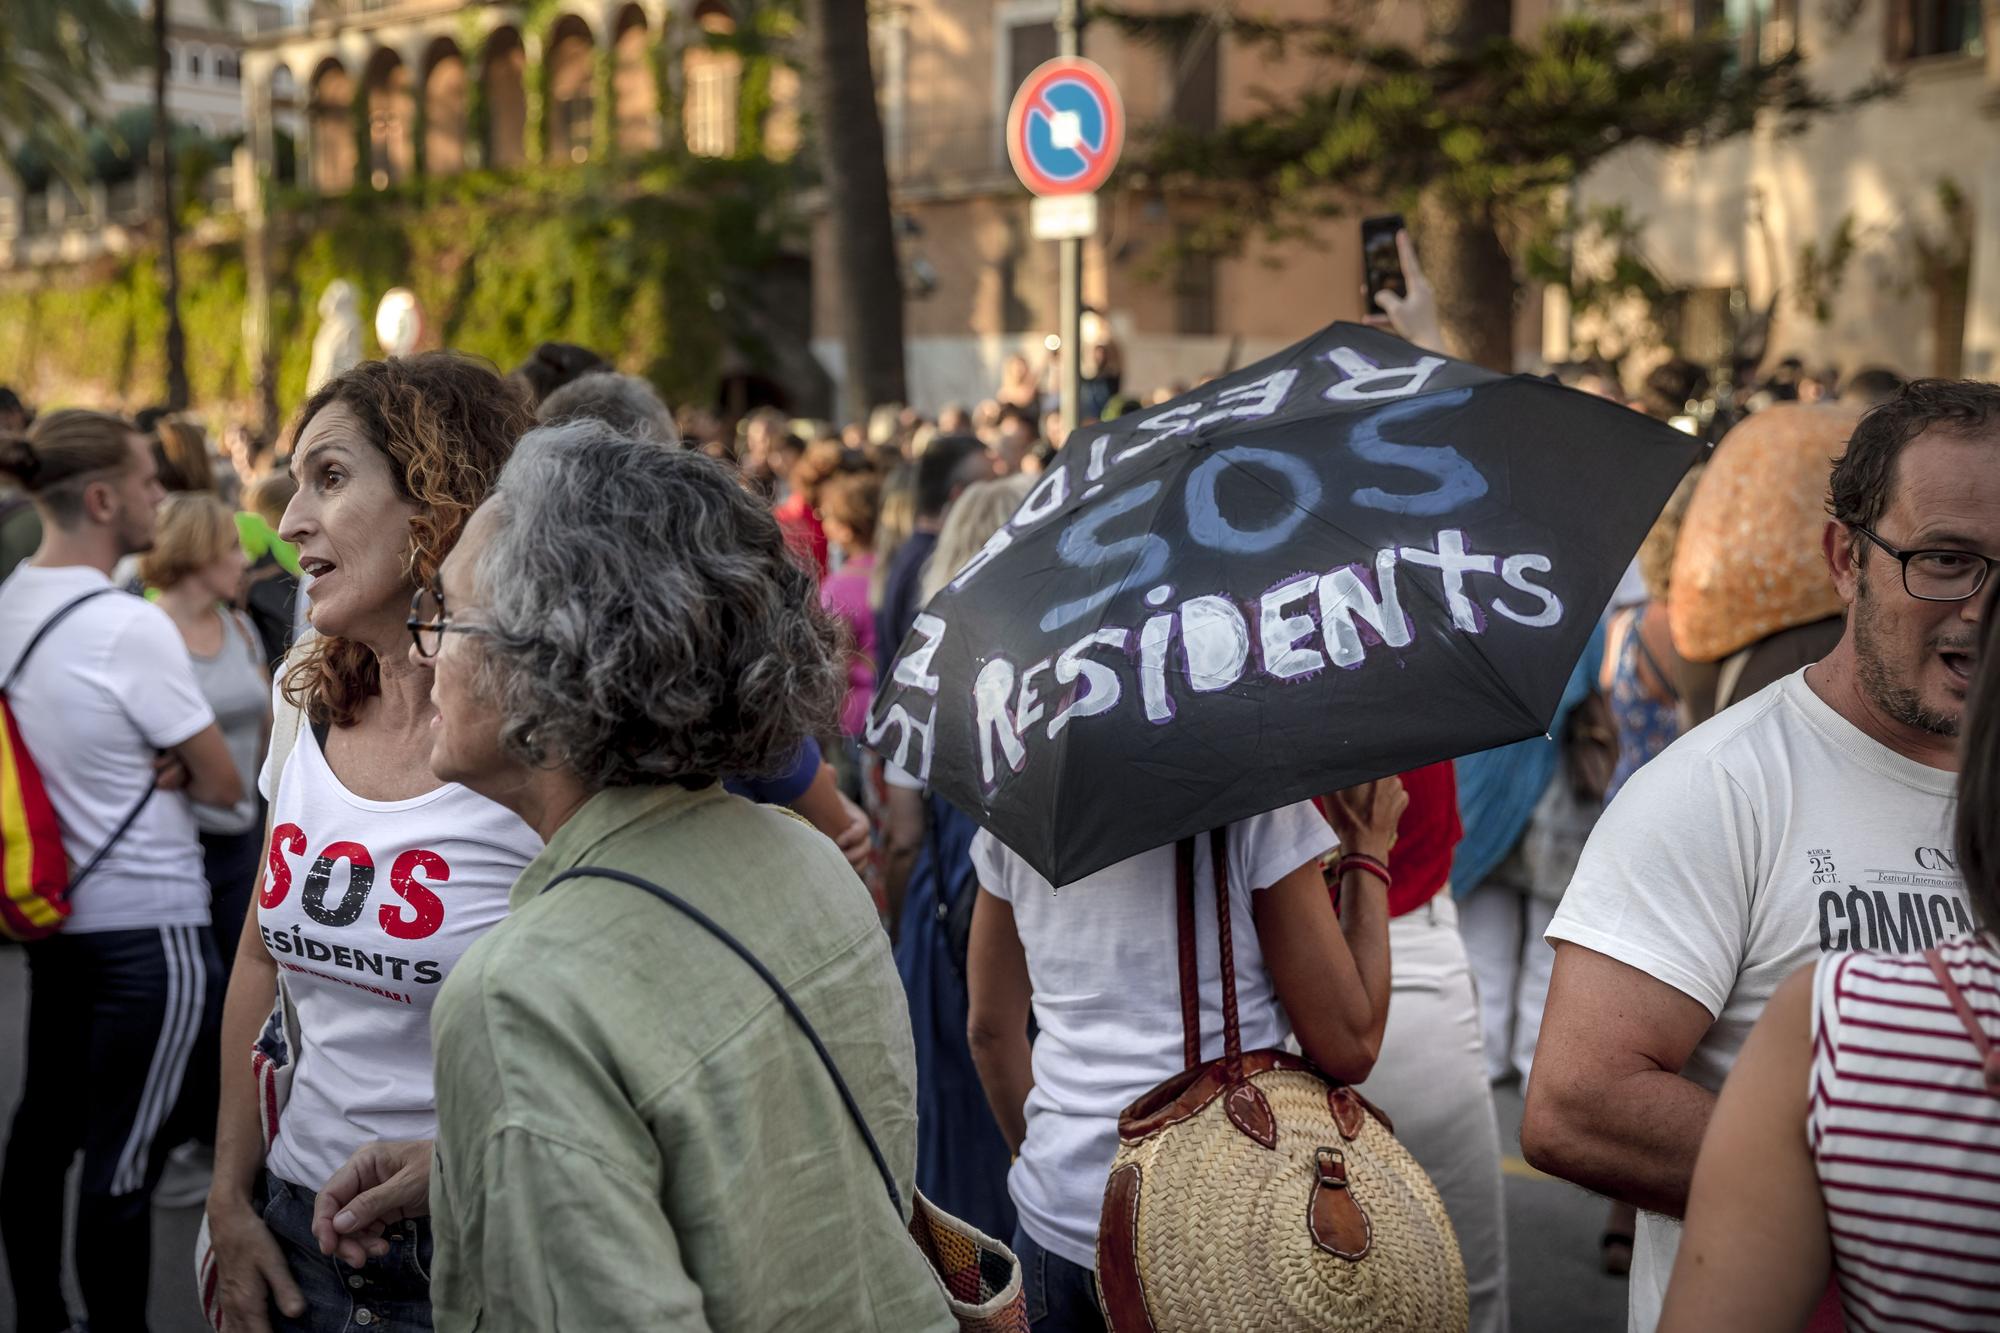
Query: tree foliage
pixel 651 263
pixel 54 59
pixel 1497 126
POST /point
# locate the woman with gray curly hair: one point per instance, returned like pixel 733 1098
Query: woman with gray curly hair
pixel 633 1133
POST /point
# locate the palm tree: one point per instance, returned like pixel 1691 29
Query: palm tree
pixel 163 186
pixel 849 128
pixel 53 62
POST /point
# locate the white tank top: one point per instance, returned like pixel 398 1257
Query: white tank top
pixel 366 908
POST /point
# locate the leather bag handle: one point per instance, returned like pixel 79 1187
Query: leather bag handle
pixel 1232 1032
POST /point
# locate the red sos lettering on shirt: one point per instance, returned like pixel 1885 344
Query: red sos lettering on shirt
pixel 419 914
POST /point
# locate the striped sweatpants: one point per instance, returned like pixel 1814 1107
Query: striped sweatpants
pixel 121 1024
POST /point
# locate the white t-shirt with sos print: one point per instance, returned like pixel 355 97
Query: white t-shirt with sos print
pixel 366 907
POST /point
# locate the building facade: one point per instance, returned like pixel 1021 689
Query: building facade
pixel 979 288
pixel 378 91
pixel 1873 237
pixel 55 223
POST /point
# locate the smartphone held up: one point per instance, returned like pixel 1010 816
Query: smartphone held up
pixel 1381 265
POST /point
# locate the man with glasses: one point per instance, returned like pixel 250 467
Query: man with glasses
pixel 1813 817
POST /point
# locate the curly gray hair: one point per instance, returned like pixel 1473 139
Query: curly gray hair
pixel 627 403
pixel 645 620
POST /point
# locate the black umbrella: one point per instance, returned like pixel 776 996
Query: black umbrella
pixel 1345 561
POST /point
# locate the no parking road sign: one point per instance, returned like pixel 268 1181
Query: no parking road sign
pixel 1065 128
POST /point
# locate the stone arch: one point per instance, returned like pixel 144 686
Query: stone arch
pixel 635 88
pixel 570 59
pixel 330 115
pixel 712 79
pixel 392 114
pixel 502 77
pixel 445 103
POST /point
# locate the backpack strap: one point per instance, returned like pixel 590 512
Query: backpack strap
pixel 35 640
pixel 132 815
pixel 791 1006
pixel 1982 1043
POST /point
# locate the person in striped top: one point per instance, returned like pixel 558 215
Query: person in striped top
pixel 1859 1133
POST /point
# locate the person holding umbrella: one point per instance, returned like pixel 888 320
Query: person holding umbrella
pixel 1094 965
pixel 1351 559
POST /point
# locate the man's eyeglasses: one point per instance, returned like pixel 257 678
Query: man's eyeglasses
pixel 429 622
pixel 1936 575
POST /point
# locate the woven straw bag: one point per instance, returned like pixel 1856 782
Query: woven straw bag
pixel 1252 1192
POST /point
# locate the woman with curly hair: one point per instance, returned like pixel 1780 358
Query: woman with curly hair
pixel 378 876
pixel 632 1132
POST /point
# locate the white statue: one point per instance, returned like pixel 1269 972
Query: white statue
pixel 337 345
pixel 399 322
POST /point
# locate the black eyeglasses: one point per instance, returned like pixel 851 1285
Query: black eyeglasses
pixel 1936 575
pixel 429 622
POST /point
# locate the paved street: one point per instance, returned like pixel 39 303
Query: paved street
pixel 1553 1227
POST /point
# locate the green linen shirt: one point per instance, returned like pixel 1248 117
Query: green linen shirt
pixel 632 1133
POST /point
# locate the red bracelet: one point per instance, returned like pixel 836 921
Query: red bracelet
pixel 1367 865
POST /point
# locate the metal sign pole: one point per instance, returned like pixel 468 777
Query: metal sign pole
pixel 1069 296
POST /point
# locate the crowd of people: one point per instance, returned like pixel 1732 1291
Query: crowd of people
pixel 375 754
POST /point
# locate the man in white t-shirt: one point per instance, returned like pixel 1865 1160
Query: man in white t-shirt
pixel 122 997
pixel 1814 817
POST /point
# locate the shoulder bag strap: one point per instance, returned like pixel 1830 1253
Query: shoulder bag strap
pixel 1666 682
pixel 1184 936
pixel 1729 678
pixel 245 632
pixel 1232 1032
pixel 791 1006
pixel 286 719
pixel 35 640
pixel 1974 1029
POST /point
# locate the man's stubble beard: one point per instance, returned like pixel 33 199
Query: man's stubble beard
pixel 1899 700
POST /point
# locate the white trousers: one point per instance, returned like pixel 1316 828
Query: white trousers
pixel 1431 1082
pixel 1511 963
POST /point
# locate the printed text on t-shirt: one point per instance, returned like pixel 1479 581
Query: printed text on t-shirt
pixel 417 916
pixel 1894 910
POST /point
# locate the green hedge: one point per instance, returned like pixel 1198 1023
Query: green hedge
pixel 632 260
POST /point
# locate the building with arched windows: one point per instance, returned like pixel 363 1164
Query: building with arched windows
pixel 46 220
pixel 388 90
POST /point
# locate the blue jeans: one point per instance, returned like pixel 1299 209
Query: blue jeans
pixel 1062 1296
pixel 391 1294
